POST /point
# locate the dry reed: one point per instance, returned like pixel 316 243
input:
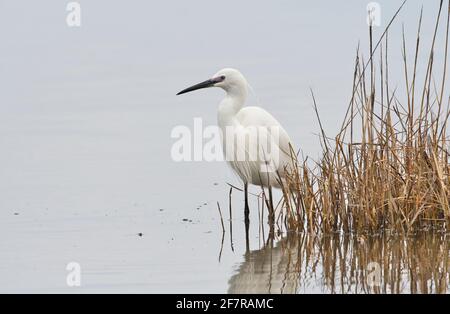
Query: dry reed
pixel 387 168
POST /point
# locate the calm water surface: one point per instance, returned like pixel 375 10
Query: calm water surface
pixel 85 168
pixel 347 264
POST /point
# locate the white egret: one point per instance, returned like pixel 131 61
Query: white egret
pixel 254 142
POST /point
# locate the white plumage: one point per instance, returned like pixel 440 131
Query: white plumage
pixel 267 146
pixel 255 144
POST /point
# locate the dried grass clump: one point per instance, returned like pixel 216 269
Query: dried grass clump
pixel 388 167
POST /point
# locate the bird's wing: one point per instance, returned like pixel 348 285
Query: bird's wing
pixel 257 116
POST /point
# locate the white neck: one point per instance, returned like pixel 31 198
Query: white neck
pixel 231 105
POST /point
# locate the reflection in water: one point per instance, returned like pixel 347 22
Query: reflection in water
pixel 347 264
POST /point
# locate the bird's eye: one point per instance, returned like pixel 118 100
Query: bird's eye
pixel 219 79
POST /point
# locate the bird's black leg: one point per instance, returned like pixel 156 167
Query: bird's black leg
pixel 247 218
pixel 271 200
pixel 247 210
pixel 271 213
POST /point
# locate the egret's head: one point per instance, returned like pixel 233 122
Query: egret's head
pixel 228 79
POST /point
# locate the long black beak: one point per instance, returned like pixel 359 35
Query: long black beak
pixel 205 84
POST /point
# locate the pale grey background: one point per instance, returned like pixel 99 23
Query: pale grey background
pixel 86 115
